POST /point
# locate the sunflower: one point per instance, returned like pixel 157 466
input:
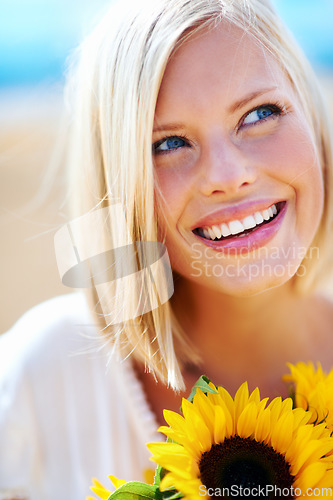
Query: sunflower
pixel 131 489
pixel 103 492
pixel 222 446
pixel 313 390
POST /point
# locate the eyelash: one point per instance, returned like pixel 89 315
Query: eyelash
pixel 277 110
pixel 160 142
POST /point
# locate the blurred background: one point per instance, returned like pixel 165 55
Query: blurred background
pixel 36 38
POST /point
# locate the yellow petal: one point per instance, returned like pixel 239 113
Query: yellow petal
pixel 162 448
pixel 312 447
pixel 220 425
pixel 275 408
pixel 170 456
pixel 97 483
pixel 263 425
pixel 241 399
pixel 247 420
pixel 282 433
pixel 117 482
pixel 302 437
pixel 327 482
pixel 101 492
pixel 176 421
pixel 301 417
pixel 190 444
pixel 198 425
pixel 228 401
pixel 206 409
pixel 230 430
pixel 167 482
pixel 255 396
pixel 149 476
pixel 311 476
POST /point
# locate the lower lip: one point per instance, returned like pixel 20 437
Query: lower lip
pixel 251 241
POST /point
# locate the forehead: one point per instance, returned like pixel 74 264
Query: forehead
pixel 221 59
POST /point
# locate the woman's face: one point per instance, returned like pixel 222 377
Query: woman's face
pixel 241 189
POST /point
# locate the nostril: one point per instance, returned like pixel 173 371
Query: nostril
pixel 223 191
pixel 218 191
pixel 226 179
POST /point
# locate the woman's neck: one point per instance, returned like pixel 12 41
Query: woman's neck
pixel 242 339
pixel 245 340
pixel 229 318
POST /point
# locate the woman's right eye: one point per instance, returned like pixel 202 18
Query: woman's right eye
pixel 169 144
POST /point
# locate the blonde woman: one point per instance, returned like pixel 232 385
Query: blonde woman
pixel 204 122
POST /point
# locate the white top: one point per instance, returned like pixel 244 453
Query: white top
pixel 65 414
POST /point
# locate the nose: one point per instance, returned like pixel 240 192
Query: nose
pixel 225 168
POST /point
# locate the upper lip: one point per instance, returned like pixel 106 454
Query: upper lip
pixel 234 212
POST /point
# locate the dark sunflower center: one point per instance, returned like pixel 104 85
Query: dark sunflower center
pixel 244 467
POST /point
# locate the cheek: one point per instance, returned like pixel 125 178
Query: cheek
pixel 286 154
pixel 300 167
pixel 173 192
pixel 290 157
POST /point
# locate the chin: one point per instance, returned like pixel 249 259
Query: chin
pixel 248 280
pixel 255 288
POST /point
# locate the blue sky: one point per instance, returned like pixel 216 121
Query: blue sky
pixel 311 21
pixel 36 36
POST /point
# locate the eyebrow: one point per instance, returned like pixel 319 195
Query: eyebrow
pixel 170 127
pixel 249 97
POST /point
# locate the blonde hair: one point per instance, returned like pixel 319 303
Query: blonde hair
pixel 115 85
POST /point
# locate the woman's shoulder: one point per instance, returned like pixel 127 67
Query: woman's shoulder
pixel 47 332
pixel 60 308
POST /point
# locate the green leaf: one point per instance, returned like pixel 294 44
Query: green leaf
pixel 159 474
pixel 202 384
pixel 171 495
pixel 168 494
pixel 134 490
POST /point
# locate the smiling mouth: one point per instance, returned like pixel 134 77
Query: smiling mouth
pixel 240 228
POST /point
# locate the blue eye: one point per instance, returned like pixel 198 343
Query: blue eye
pixel 168 144
pixel 261 113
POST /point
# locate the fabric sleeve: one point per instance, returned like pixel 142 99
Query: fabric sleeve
pixel 18 433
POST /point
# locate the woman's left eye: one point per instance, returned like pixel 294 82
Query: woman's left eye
pixel 169 143
pixel 261 113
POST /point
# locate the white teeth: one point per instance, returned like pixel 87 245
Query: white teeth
pixel 217 231
pixel 236 227
pixel 258 218
pixel 206 233
pixel 249 222
pixel 225 230
pixel 265 214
